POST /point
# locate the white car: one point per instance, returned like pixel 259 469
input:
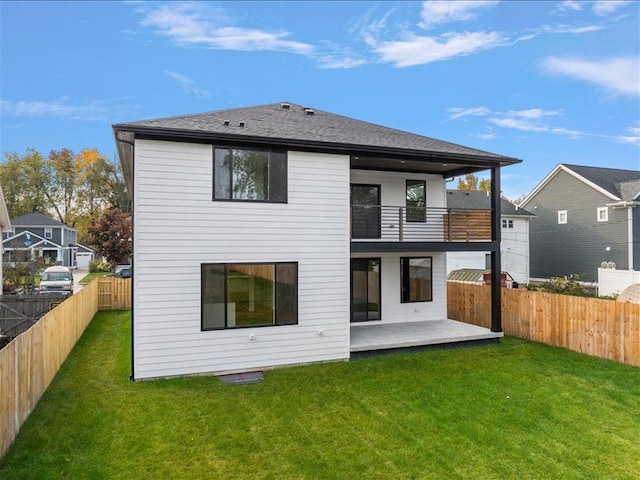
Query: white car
pixel 57 280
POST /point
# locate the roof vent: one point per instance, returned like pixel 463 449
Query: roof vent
pixel 285 105
pixel 241 124
pixel 308 111
pixel 226 123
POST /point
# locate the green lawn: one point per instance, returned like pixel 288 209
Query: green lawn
pixel 90 276
pixel 514 410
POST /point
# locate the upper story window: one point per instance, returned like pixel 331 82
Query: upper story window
pixel 562 217
pixel 507 223
pixel 603 214
pixel 48 232
pixel 250 175
pixel 416 201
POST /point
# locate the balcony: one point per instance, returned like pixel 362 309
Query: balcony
pixel 380 223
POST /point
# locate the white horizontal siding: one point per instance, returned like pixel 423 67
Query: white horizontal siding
pixel 177 227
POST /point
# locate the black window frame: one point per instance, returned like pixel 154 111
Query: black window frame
pixel 271 179
pixel 405 290
pixel 275 299
pixel 411 210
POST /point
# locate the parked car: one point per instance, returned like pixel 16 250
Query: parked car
pixel 57 279
pixel 123 271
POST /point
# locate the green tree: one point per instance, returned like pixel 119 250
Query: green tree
pixel 26 180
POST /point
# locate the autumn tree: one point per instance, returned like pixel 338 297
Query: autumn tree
pixel 471 182
pixel 73 188
pixel 110 236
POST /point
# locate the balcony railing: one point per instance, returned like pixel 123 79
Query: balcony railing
pixel 418 224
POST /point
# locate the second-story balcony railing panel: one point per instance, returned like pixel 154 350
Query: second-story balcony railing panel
pixel 418 224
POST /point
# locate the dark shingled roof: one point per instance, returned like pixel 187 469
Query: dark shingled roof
pixel 304 125
pixel 479 200
pixel 36 220
pixel 624 184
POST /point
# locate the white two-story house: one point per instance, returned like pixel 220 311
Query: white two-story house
pixel 514 245
pixel 278 235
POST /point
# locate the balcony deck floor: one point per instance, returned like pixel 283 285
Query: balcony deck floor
pixel 386 336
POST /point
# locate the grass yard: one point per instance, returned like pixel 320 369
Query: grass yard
pixel 90 276
pixel 514 410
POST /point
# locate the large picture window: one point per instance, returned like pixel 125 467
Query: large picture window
pixel 249 295
pixel 249 175
pixel 416 200
pixel 416 279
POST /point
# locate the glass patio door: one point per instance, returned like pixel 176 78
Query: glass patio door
pixel 365 211
pixel 365 289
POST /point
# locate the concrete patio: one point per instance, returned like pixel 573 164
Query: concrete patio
pixel 392 336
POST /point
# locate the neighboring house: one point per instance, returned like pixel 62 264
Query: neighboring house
pixel 276 235
pixel 43 237
pixel 584 216
pixel 5 226
pixel 514 250
pixel 84 256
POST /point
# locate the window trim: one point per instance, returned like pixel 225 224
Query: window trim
pixel 566 217
pixel 405 278
pixel 48 230
pixel 606 214
pixel 269 151
pixel 423 217
pixel 275 299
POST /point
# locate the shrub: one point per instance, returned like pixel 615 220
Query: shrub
pixel 564 286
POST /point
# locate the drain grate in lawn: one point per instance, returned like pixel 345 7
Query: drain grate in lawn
pixel 242 378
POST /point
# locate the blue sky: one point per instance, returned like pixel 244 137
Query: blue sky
pixel 548 82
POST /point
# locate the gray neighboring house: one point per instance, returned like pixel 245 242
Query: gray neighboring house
pixel 44 236
pixel 514 246
pixel 584 216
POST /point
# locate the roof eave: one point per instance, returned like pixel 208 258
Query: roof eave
pixel 181 134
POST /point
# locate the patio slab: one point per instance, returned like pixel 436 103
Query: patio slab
pixel 387 336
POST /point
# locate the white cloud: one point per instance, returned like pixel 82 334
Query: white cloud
pixel 619 75
pixel 632 136
pixel 535 120
pixel 437 12
pixel 487 136
pixel 418 50
pixel 607 7
pixel 188 86
pixel 193 24
pixel 457 112
pixel 93 110
pixel 568 6
pixel 330 62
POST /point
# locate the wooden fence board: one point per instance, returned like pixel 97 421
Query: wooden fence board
pixel 602 328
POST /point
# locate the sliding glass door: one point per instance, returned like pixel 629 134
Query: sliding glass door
pixel 365 289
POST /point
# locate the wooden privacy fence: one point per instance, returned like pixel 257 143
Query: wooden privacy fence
pixel 30 362
pixel 114 293
pixel 603 328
